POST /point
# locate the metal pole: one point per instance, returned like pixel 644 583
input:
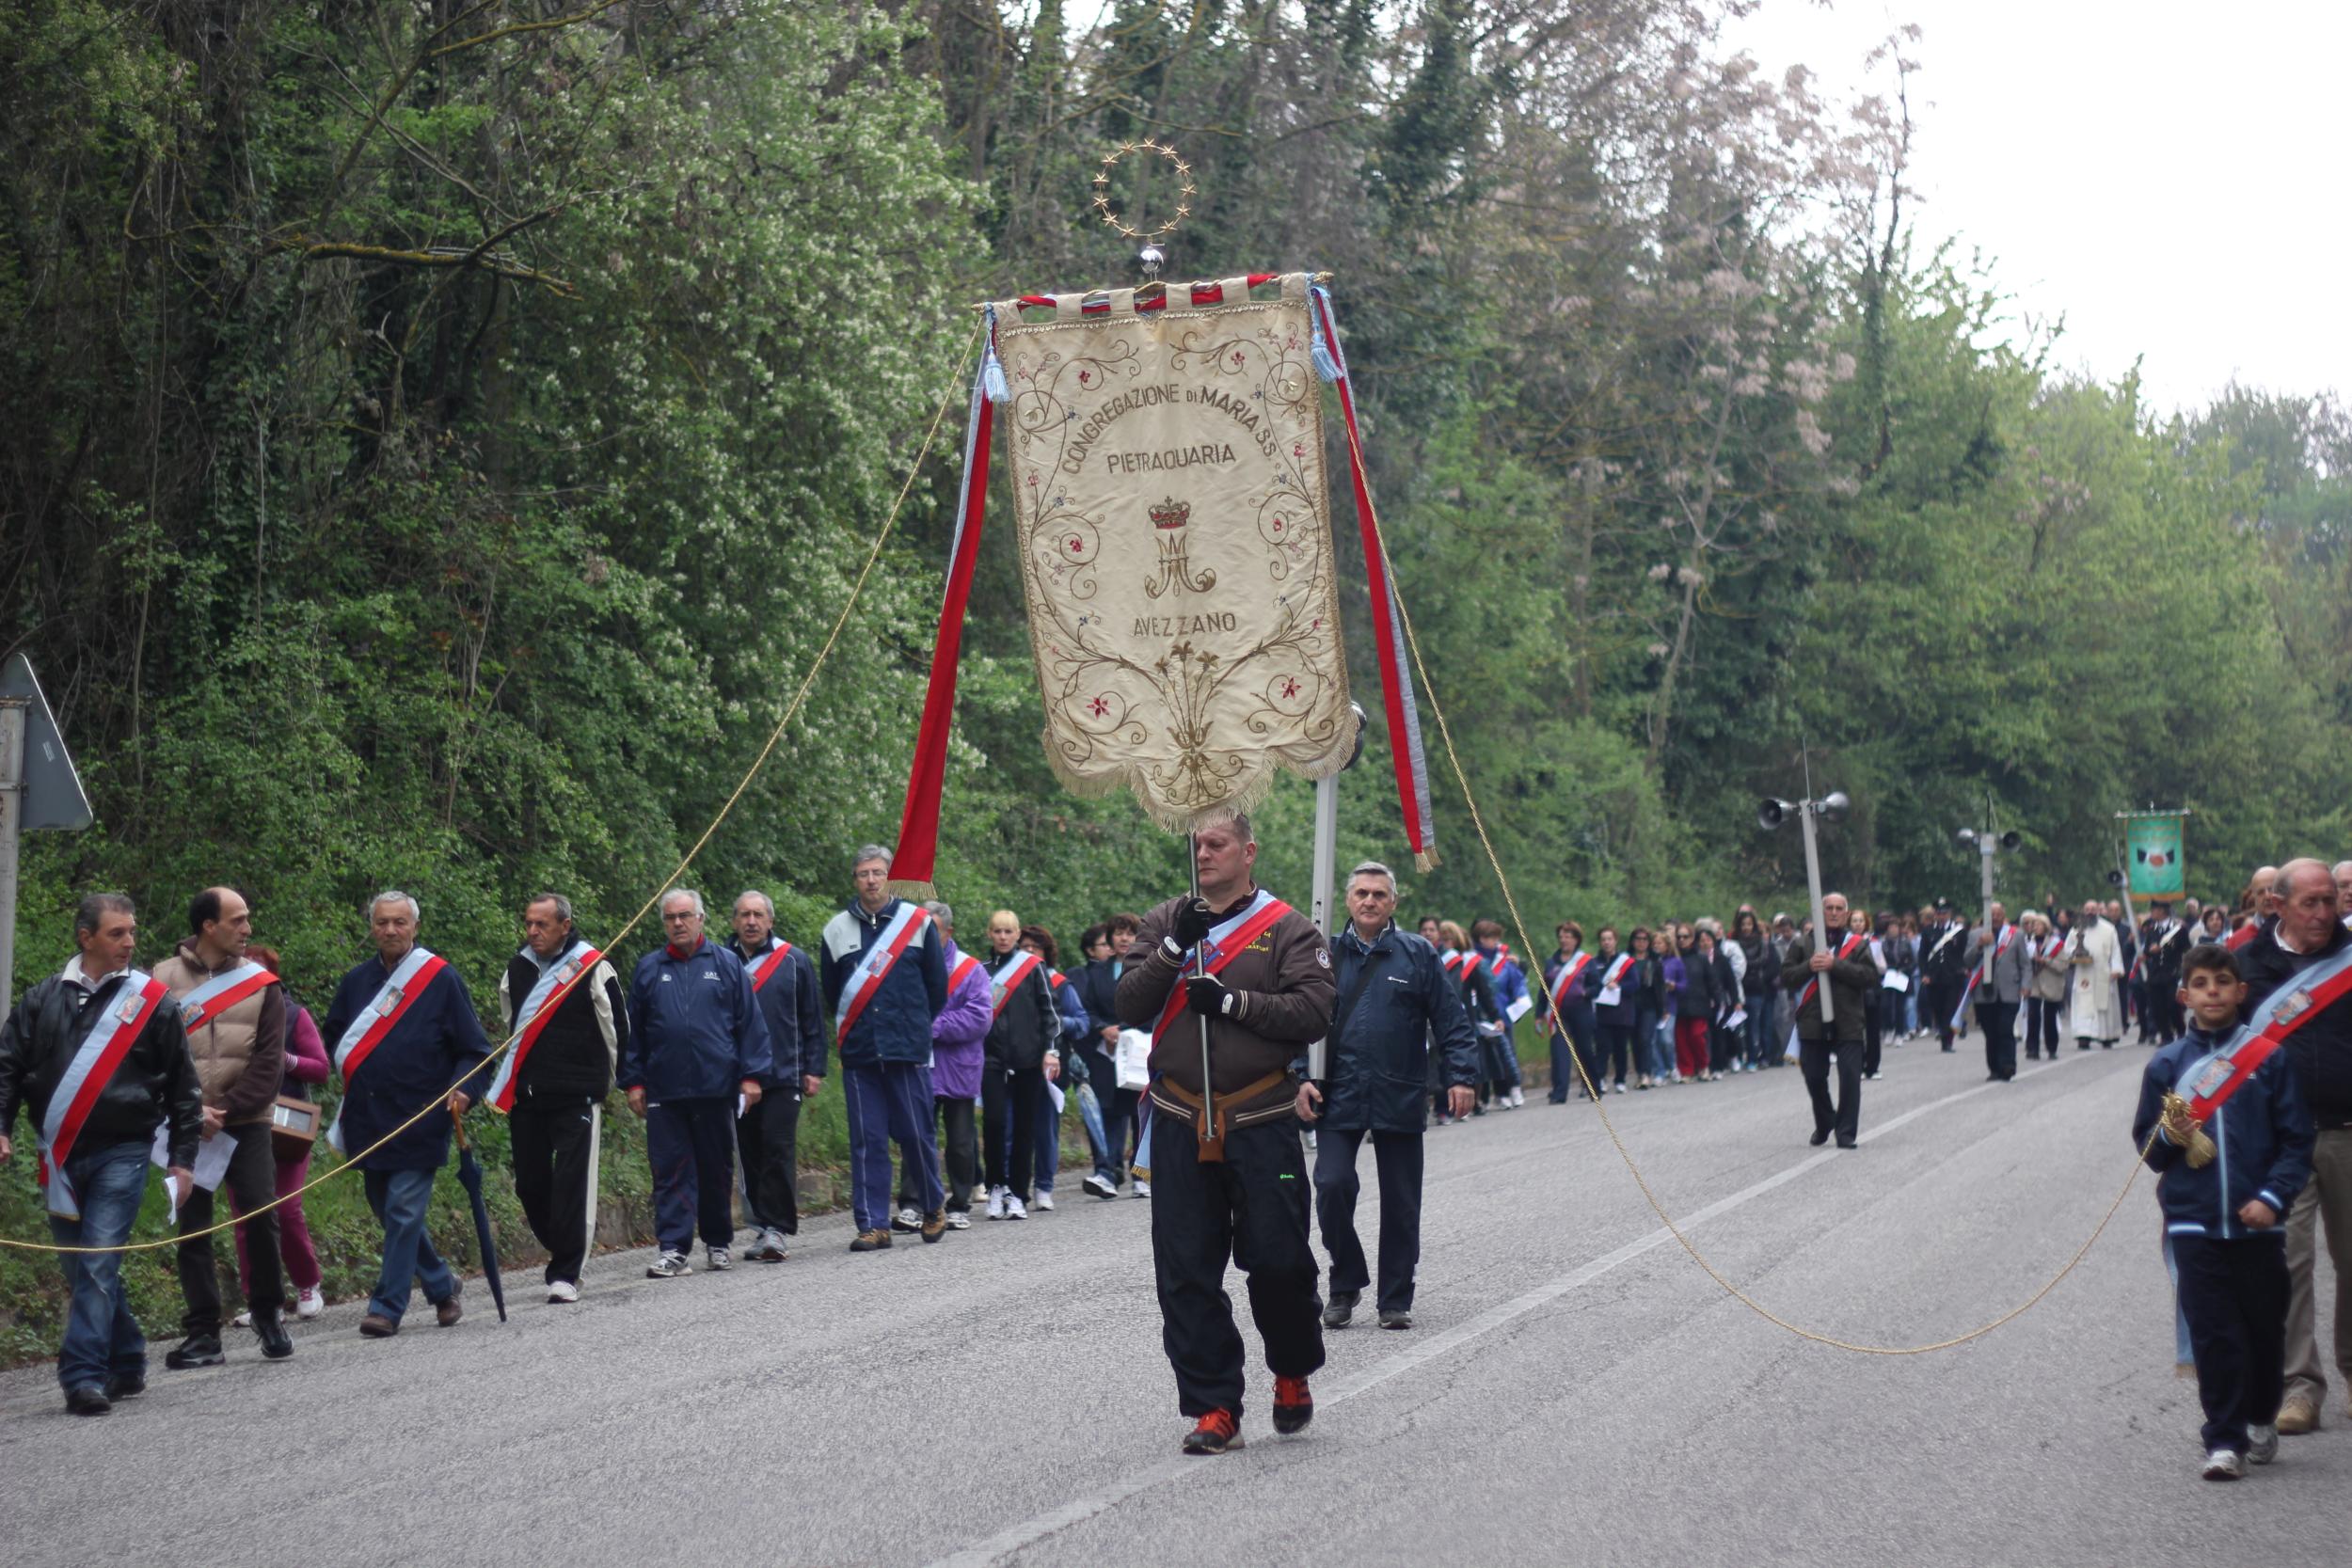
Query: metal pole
pixel 1201 967
pixel 1820 921
pixel 1327 870
pixel 1984 863
pixel 12 710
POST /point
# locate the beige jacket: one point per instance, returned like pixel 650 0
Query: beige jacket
pixel 240 1056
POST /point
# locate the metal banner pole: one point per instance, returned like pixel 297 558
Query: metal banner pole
pixel 1201 967
pixel 11 826
pixel 1820 921
pixel 1327 870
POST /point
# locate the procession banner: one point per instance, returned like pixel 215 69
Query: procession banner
pixel 1174 534
pixel 2151 853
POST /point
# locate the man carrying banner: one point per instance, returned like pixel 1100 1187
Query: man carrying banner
pixel 233 1012
pixel 1237 976
pixel 767 1134
pixel 1394 1000
pixel 1996 982
pixel 2299 978
pixel 98 1060
pixel 565 1008
pixel 884 974
pixel 1848 968
pixel 405 1038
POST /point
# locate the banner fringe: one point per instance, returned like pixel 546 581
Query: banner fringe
pixel 918 891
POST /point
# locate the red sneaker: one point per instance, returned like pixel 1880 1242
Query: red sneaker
pixel 1217 1432
pixel 1293 1406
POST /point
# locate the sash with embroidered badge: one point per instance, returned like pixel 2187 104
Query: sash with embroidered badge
pixel 85 1077
pixel 221 992
pixel 407 982
pixel 554 986
pixel 1983 971
pixel 1006 981
pixel 1845 950
pixel 1569 972
pixel 770 961
pixel 876 966
pixel 1225 942
pixel 2304 997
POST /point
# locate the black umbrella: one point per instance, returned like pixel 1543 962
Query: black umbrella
pixel 470 1173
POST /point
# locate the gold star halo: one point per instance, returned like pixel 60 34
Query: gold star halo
pixel 1186 190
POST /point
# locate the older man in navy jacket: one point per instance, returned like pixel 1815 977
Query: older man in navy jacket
pixel 697 1053
pixel 405 1035
pixel 1394 998
pixel 884 974
pixel 767 1134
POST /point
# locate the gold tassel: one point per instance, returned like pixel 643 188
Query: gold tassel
pixel 918 891
pixel 2185 1131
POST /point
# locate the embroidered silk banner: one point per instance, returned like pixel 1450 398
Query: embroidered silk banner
pixel 1174 534
pixel 2153 842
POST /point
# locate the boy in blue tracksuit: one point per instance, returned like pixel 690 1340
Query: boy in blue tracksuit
pixel 883 971
pixel 2224 1186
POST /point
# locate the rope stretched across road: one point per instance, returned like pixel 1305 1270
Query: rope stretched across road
pixel 791 710
pixel 1494 860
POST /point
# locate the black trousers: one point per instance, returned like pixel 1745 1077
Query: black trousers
pixel 1615 1051
pixel 555 1140
pixel 1873 1030
pixel 1942 998
pixel 1999 1019
pixel 959 1153
pixel 1010 1100
pixel 1397 1158
pixel 2041 1026
pixel 252 1182
pixel 768 1140
pixel 1250 1207
pixel 2166 1020
pixel 1844 1116
pixel 2235 1297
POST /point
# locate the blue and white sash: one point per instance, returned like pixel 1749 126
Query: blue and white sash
pixel 85 1078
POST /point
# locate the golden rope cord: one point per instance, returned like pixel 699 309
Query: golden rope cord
pixel 775 735
pixel 1632 1167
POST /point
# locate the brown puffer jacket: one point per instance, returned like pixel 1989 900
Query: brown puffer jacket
pixel 1284 977
pixel 240 1056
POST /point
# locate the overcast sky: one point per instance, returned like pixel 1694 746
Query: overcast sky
pixel 2174 179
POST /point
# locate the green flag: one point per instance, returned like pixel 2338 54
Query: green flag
pixel 2152 848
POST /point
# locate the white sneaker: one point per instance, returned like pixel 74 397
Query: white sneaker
pixel 243 1319
pixel 996 1196
pixel 1519 1095
pixel 720 1260
pixel 1143 1188
pixel 1044 1201
pixel 310 1303
pixel 959 1220
pixel 2224 1465
pixel 909 1219
pixel 1014 1208
pixel 670 1265
pixel 2261 1445
pixel 1621 1085
pixel 561 1293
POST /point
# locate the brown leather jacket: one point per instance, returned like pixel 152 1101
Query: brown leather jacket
pixel 1284 978
pixel 240 1056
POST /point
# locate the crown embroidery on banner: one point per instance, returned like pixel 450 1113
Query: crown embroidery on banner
pixel 1171 513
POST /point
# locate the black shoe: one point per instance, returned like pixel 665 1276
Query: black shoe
pixel 271 1329
pixel 1821 1136
pixel 1846 1143
pixel 125 1386
pixel 87 1400
pixel 1395 1316
pixel 1341 1307
pixel 196 1349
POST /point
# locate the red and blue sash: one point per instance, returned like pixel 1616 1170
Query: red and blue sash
pixel 85 1077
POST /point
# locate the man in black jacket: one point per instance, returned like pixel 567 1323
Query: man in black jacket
pixel 98 1059
pixel 767 1135
pixel 1394 998
pixel 1847 969
pixel 1943 969
pixel 563 999
pixel 2305 949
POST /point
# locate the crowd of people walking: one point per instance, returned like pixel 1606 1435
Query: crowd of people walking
pixel 959 1068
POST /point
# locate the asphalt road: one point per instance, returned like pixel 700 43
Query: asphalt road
pixel 1576 1388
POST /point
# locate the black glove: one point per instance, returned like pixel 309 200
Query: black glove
pixel 1190 928
pixel 1206 994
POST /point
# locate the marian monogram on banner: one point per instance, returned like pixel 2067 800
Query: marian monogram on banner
pixel 1175 540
